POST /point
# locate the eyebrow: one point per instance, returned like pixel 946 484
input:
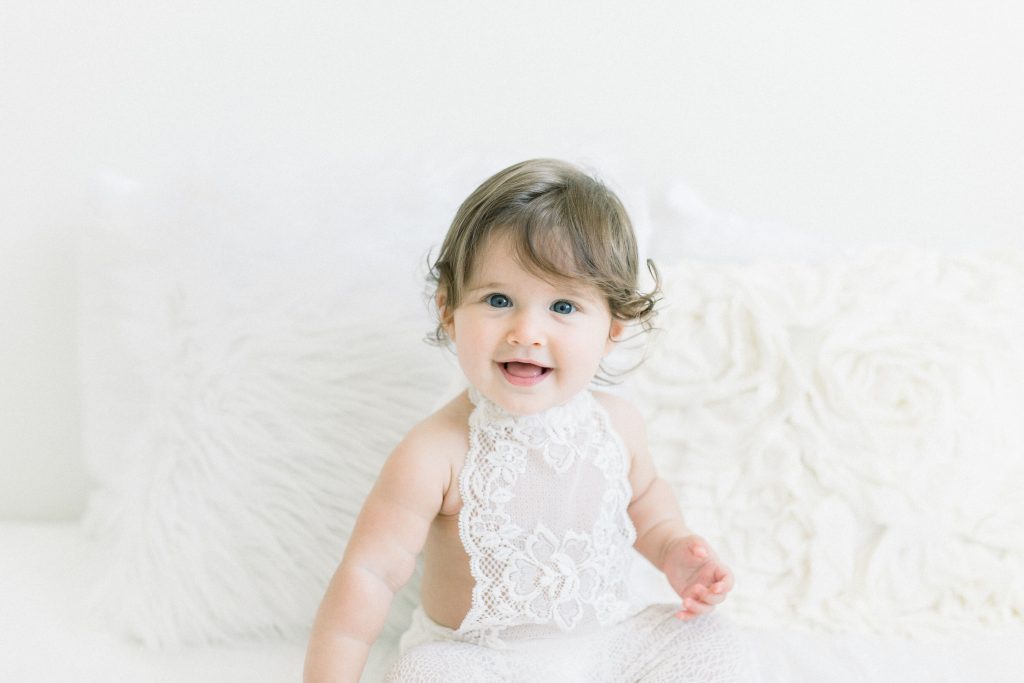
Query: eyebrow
pixel 489 285
pixel 568 289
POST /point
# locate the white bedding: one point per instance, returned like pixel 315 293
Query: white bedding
pixel 46 635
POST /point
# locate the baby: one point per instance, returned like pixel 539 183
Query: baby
pixel 527 492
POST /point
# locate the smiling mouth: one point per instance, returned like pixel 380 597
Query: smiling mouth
pixel 524 374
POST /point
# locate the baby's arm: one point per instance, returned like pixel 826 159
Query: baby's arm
pixel 380 557
pixel 690 565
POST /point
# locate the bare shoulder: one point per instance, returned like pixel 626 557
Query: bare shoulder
pixel 626 419
pixel 629 423
pixel 445 425
pixel 438 443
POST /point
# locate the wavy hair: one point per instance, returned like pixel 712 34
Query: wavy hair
pixel 562 224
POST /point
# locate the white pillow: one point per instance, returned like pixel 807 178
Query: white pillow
pixel 245 375
pixel 848 433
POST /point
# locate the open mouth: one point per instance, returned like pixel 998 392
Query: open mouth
pixel 523 373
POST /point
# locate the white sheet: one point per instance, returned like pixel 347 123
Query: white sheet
pixel 46 636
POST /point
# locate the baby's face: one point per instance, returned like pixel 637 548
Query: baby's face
pixel 525 343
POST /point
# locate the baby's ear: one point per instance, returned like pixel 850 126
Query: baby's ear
pixel 614 333
pixel 444 313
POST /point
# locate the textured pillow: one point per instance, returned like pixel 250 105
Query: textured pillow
pixel 245 476
pixel 849 433
pixel 245 377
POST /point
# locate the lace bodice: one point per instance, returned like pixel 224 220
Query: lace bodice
pixel 544 520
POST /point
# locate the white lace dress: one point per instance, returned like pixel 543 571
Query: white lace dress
pixel 544 521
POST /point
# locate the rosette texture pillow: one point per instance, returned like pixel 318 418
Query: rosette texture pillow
pixel 849 433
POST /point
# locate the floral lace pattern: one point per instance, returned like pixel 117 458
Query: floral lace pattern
pixel 544 519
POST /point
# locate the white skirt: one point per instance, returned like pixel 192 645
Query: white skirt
pixel 652 646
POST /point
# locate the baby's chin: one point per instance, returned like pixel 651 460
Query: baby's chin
pixel 529 401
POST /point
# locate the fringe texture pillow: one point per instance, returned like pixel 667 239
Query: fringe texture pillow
pixel 246 372
pixel 262 436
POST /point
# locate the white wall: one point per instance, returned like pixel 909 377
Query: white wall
pixel 870 120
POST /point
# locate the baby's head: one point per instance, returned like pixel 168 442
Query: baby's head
pixel 561 224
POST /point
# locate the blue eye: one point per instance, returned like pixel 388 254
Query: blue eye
pixel 499 301
pixel 564 307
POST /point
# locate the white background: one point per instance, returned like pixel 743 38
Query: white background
pixel 869 120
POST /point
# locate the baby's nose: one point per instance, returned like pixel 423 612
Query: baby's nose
pixel 526 331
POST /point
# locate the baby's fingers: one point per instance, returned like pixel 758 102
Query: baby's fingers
pixel 693 608
pixel 723 584
pixel 709 597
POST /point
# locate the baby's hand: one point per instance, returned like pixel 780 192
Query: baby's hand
pixel 696 575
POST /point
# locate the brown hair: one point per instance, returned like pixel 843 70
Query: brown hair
pixel 562 223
